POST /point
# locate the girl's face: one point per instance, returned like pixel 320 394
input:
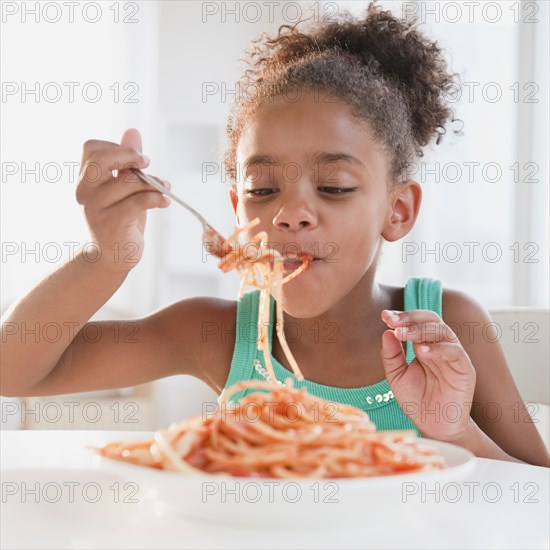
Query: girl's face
pixel 320 184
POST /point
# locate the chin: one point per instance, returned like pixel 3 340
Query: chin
pixel 304 299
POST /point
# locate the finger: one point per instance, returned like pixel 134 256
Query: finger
pixel 425 332
pixel 133 205
pixel 119 188
pixel 454 354
pixel 394 318
pixel 93 145
pixel 99 166
pixel 132 138
pixel 126 177
pixel 393 356
pixel 447 362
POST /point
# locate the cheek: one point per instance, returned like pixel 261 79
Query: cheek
pixel 356 244
pixel 243 211
pixel 248 210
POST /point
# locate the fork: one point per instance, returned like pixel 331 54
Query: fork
pixel 213 241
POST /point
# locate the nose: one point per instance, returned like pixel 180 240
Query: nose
pixel 294 215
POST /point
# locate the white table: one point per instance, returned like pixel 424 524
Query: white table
pixel 480 518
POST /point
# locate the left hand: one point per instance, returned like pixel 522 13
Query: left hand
pixel 436 389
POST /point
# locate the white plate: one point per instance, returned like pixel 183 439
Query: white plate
pixel 246 502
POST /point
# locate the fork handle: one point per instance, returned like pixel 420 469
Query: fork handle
pixel 159 187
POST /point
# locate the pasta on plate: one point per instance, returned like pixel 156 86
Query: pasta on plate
pixel 280 432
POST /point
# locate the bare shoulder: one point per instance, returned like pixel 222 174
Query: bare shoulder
pixel 210 308
pixel 200 335
pixel 470 320
pixel 463 309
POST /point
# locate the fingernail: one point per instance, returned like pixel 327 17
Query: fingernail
pixel 394 315
pixel 146 159
pixel 167 184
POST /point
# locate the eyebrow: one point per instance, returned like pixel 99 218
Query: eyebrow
pixel 320 157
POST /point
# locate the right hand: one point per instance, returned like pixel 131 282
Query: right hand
pixel 116 207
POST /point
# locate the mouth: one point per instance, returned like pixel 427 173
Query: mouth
pixel 293 262
pixel 300 259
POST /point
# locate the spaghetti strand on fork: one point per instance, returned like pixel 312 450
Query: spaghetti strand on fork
pixel 265 271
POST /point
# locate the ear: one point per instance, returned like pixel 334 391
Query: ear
pixel 234 200
pixel 403 207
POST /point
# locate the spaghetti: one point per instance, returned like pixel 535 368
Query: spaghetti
pixel 263 269
pixel 280 433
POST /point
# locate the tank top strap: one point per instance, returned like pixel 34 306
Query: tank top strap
pixel 246 339
pixel 422 293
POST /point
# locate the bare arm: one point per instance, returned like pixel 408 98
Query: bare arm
pixel 38 329
pixel 115 206
pixel 176 339
pixel 495 432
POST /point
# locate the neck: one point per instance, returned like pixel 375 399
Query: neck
pixel 354 321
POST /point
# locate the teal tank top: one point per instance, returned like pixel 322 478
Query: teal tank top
pixel 376 400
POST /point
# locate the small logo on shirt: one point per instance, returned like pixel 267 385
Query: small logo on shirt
pixel 262 371
pixel 380 397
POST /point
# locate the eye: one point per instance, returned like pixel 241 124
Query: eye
pixel 264 192
pixel 336 190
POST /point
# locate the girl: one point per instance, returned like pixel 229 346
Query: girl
pixel 318 146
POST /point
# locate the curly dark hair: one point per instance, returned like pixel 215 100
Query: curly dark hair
pixel 387 72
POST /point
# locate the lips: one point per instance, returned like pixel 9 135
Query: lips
pixel 295 260
pixel 291 264
pixel 300 259
pixel 298 253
